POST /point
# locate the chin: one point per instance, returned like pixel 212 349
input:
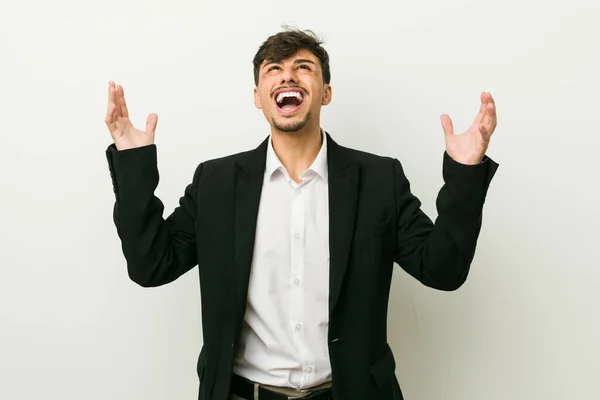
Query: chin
pixel 293 124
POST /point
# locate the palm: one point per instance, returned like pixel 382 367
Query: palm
pixel 124 134
pixel 470 146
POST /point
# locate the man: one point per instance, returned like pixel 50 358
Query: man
pixel 296 239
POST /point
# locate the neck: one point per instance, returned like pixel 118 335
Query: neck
pixel 297 150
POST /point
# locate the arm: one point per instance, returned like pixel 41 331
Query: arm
pixel 157 251
pixel 439 255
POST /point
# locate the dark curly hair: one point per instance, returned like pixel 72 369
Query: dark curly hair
pixel 284 44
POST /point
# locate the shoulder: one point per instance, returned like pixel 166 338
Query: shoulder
pixel 250 160
pixel 366 160
pixel 228 160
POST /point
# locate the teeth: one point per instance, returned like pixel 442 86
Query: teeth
pixel 281 96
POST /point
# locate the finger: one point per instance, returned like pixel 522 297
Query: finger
pixel 111 112
pixel 490 119
pixel 447 124
pixel 481 114
pixel 111 115
pixel 111 92
pixel 121 102
pixel 151 123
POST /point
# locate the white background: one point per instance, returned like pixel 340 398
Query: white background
pixel 524 326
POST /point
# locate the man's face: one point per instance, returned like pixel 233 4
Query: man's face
pixel 291 92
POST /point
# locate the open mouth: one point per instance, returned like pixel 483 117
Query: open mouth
pixel 289 101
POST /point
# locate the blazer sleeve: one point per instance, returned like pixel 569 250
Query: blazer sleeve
pixel 439 255
pixel 157 250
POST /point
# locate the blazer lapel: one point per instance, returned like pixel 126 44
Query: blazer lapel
pixel 343 192
pixel 249 176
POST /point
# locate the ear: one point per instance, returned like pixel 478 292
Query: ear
pixel 257 99
pixel 326 95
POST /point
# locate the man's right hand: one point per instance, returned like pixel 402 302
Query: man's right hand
pixel 122 131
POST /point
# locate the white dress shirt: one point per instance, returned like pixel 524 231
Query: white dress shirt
pixel 283 340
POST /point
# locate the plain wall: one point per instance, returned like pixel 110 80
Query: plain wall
pixel 524 326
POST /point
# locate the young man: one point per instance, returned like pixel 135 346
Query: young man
pixel 296 239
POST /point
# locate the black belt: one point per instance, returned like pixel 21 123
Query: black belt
pixel 245 389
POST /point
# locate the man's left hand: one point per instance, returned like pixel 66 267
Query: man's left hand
pixel 470 147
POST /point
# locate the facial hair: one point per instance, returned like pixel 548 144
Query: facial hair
pixel 292 126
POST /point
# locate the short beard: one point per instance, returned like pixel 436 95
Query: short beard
pixel 293 126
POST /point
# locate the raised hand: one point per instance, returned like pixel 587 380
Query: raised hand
pixel 470 146
pixel 122 131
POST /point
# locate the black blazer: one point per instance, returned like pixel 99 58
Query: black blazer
pixel 374 221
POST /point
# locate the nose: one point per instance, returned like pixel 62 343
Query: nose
pixel 289 75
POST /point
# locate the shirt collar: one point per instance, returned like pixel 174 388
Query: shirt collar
pixel 319 165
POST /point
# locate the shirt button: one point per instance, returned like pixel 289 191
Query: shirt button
pixel 308 369
pixel 296 281
pixel 298 327
pixel 297 235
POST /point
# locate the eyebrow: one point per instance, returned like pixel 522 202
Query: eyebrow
pixel 298 61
